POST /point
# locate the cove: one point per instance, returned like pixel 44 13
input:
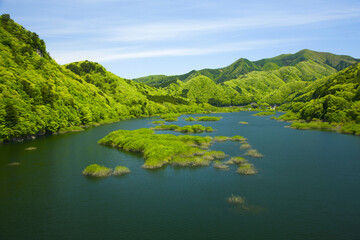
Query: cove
pixel 306 187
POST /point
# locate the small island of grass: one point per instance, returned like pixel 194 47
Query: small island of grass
pixel 95 170
pixel 207 118
pixel 161 149
pixel 221 138
pixel 254 153
pixel 190 119
pixel 158 122
pixel 237 138
pixel 264 113
pixel 245 145
pixel 220 165
pixel 185 129
pixel 121 170
pixel 246 169
pixel 236 160
pixel 242 122
pixel 170 117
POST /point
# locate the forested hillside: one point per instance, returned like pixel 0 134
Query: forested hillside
pixel 38 96
pixel 271 81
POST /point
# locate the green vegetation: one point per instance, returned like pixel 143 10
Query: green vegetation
pixel 70 129
pixel 14 164
pixel 95 170
pixel 245 145
pixel 207 118
pixel 235 199
pixel 158 122
pixel 221 138
pixel 237 138
pixel 161 149
pixel 211 155
pixel 246 169
pixel 121 170
pixel 264 113
pixel 220 165
pixel 242 122
pixel 185 129
pixel 190 119
pixel 236 160
pixel 253 153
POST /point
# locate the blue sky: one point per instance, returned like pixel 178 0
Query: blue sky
pixel 134 38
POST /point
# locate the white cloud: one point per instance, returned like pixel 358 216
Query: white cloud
pixel 112 54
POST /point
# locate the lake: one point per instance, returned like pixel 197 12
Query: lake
pixel 307 187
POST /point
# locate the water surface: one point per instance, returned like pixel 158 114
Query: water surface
pixel 307 187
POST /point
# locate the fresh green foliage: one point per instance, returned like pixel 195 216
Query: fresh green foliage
pixel 158 122
pixel 207 118
pixel 185 129
pixel 95 170
pixel 221 138
pixel 236 160
pixel 237 138
pixel 242 122
pixel 160 149
pixel 121 170
pixel 246 169
pixel 190 119
pixel 264 113
pixel 219 165
pixel 253 153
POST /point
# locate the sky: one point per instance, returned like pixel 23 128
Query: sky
pixel 135 38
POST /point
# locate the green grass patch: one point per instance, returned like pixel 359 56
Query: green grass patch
pixel 207 118
pixel 245 145
pixel 185 129
pixel 246 169
pixel 214 155
pixel 242 122
pixel 70 129
pixel 96 170
pixel 254 153
pixel 170 117
pixel 158 122
pixel 171 127
pixel 121 170
pixel 236 160
pixel 190 119
pixel 237 138
pixel 160 149
pixel 264 113
pixel 221 138
pixel 220 165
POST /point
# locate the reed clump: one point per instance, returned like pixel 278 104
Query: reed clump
pixel 158 122
pixel 190 119
pixel 236 160
pixel 237 138
pixel 264 113
pixel 219 165
pixel 246 169
pixel 254 153
pixel 245 145
pixel 121 170
pixel 207 118
pixel 236 199
pixel 96 170
pixel 221 138
pixel 242 122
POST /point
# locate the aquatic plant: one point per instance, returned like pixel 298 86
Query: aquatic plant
pixel 246 169
pixel 209 129
pixel 242 122
pixel 190 119
pixel 96 170
pixel 236 160
pixel 207 118
pixel 237 138
pixel 185 129
pixel 121 170
pixel 220 165
pixel 70 129
pixel 211 155
pixel 264 113
pixel 158 122
pixel 171 127
pixel 30 148
pixel 245 145
pixel 221 138
pixel 236 199
pixel 14 164
pixel 254 153
pixel 170 117
pixel 160 149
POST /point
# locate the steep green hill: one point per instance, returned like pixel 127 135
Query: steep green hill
pixel 38 96
pixel 334 100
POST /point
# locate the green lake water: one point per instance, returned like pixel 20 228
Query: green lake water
pixel 307 187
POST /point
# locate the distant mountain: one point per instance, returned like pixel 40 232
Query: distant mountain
pixel 243 66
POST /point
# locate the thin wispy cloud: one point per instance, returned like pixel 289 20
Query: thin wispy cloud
pixel 112 54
